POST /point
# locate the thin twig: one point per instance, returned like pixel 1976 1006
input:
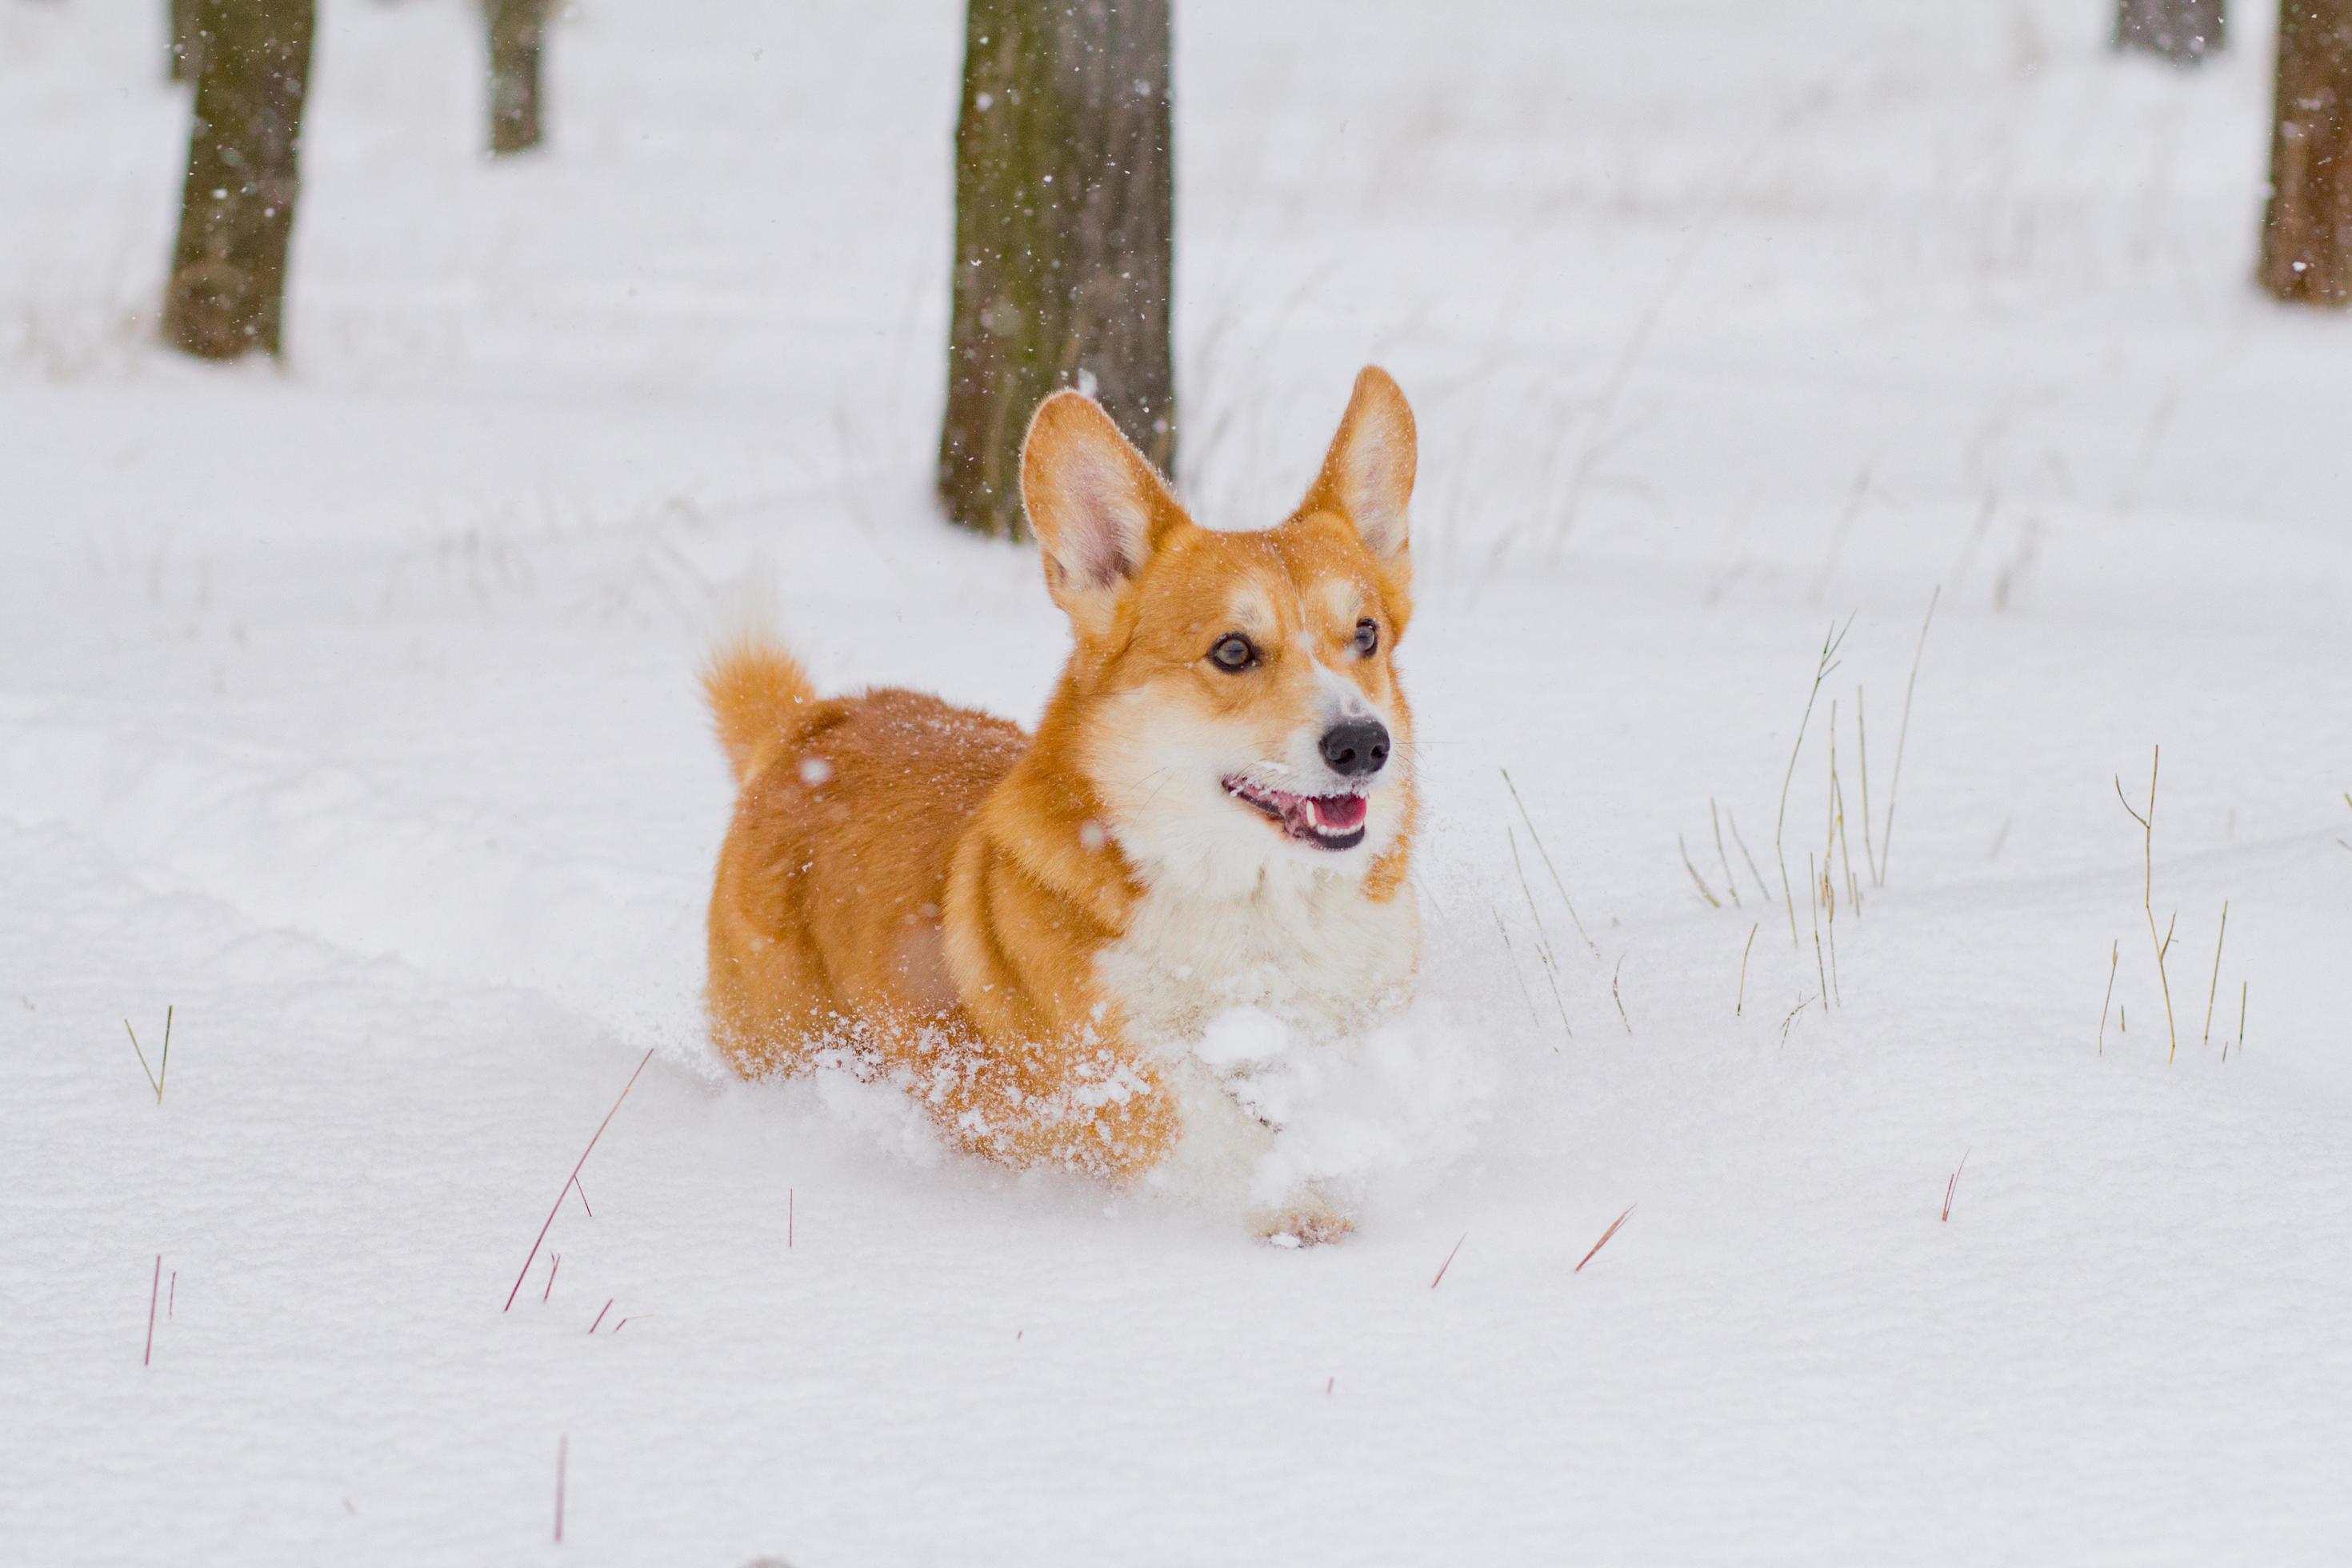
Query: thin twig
pixel 1448 1263
pixel 153 1290
pixel 1953 1185
pixel 1903 734
pixel 1615 997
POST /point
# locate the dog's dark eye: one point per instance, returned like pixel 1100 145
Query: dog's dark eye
pixel 1233 652
pixel 1368 638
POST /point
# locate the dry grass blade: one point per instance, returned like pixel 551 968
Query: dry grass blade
pixel 161 1073
pixel 2114 955
pixel 1525 995
pixel 1821 668
pixel 1700 882
pixel 574 1176
pixel 1763 888
pixel 1829 904
pixel 1730 882
pixel 1558 886
pixel 1953 1185
pixel 1821 970
pixel 2214 989
pixel 1616 997
pixel 1441 1267
pixel 143 1061
pixel 153 1290
pixel 1862 744
pixel 1543 938
pixel 1740 1003
pixel 2147 892
pixel 1903 734
pixel 1605 1235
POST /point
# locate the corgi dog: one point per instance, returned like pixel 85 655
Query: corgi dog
pixel 1216 811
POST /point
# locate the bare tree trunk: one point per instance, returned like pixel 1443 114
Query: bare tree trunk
pixel 2307 232
pixel 184 61
pixel 227 290
pixel 1064 224
pixel 517 30
pixel 2182 31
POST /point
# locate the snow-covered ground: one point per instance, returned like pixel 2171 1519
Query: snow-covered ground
pixel 346 711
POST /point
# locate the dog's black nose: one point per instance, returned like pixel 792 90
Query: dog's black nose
pixel 1360 746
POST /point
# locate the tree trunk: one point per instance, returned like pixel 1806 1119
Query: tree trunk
pixel 184 61
pixel 2182 31
pixel 1065 223
pixel 2307 232
pixel 227 290
pixel 517 30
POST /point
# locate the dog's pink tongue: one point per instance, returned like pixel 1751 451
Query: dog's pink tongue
pixel 1340 813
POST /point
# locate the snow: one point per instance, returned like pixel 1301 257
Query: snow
pixel 347 711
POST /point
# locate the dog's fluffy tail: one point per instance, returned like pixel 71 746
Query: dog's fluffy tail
pixel 759 696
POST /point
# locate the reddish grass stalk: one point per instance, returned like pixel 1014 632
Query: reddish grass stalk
pixel 619 1326
pixel 554 1262
pixel 599 1313
pixel 1448 1263
pixel 172 1301
pixel 572 1179
pixel 583 1198
pixel 151 1289
pixel 1953 1185
pixel 1605 1235
pixel 560 1444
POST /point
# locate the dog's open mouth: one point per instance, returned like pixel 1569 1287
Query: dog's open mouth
pixel 1325 821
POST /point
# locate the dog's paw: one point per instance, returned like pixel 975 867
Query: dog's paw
pixel 1308 1219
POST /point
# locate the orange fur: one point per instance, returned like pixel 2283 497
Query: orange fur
pixel 930 887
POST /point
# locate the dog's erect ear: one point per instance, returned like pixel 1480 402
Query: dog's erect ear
pixel 1368 474
pixel 1096 503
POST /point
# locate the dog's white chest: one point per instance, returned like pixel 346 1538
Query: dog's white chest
pixel 1310 949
